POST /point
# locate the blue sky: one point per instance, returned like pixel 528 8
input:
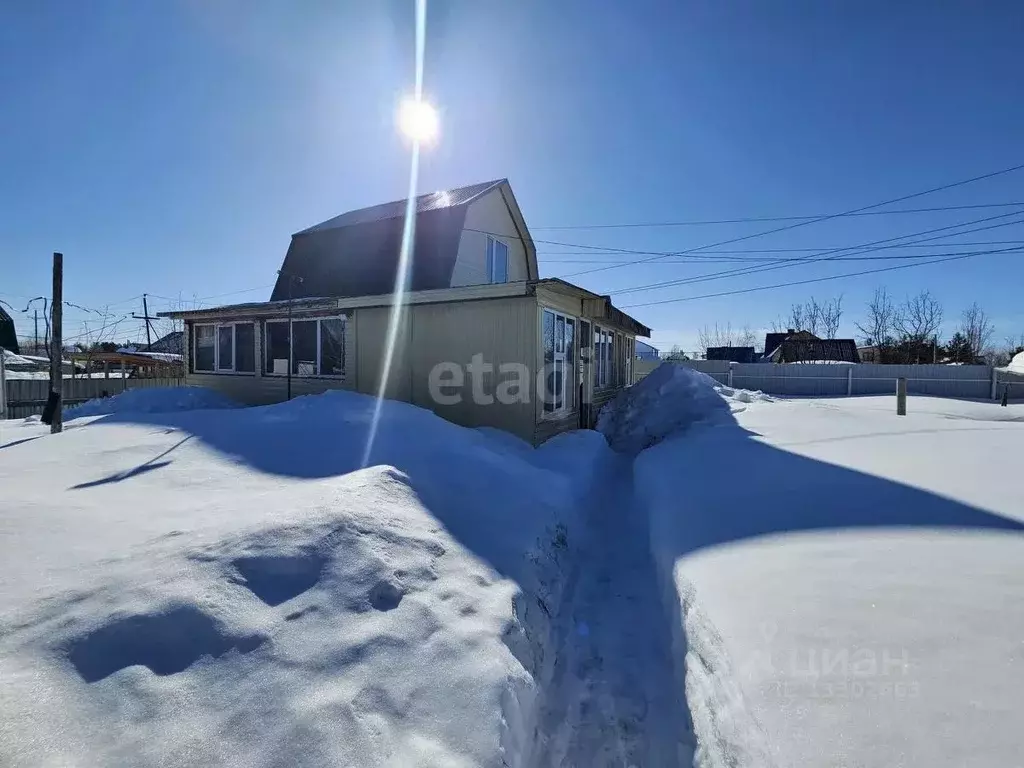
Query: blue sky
pixel 173 147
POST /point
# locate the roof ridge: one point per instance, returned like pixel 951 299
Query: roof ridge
pixel 446 198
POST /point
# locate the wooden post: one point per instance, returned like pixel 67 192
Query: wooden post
pixel 106 369
pixel 730 375
pixel 124 383
pixel 849 380
pixel 994 375
pixel 3 386
pixel 1006 394
pixel 56 342
pixel 901 396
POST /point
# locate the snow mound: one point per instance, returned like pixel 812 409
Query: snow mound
pixel 1017 364
pixel 154 400
pixel 233 587
pixel 669 400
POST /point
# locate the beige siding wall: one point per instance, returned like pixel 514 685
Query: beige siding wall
pixel 371 338
pixel 502 331
pixel 571 305
pixel 488 214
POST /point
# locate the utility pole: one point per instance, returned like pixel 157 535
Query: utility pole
pixel 145 316
pixel 291 280
pixel 56 338
pixel 35 325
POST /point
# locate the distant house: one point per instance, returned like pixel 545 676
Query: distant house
pixel 646 352
pixel 805 347
pixel 8 333
pixel 477 321
pixel 172 343
pixel 733 354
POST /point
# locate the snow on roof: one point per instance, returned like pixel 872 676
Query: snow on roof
pixel 165 357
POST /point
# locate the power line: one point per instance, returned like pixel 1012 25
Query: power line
pixel 812 221
pixel 944 258
pixel 725 251
pixel 751 219
pixel 828 255
pixel 844 259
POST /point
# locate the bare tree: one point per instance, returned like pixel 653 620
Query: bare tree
pixel 1014 345
pixel 778 325
pixel 803 317
pixel 747 337
pixel 977 329
pixel 829 314
pixel 919 318
pixel 725 336
pixel 880 323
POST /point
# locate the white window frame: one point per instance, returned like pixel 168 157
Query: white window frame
pixel 569 360
pixel 217 370
pixel 491 242
pixel 604 358
pixel 291 345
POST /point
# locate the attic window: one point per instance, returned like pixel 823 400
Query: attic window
pixel 497 261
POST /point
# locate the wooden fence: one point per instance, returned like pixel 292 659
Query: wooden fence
pixel 26 397
pixel 831 380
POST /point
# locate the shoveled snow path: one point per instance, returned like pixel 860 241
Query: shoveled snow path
pixel 613 699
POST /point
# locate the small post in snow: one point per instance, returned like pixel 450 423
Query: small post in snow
pixel 849 381
pixel 3 386
pixel 57 345
pixel 1006 395
pixel 901 396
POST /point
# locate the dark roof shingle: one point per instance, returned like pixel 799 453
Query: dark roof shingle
pixel 357 253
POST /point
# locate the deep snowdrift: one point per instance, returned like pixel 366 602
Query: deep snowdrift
pixel 845 580
pixel 152 400
pixel 667 401
pixel 228 587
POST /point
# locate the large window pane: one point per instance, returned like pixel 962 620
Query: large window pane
pixel 549 336
pixel 204 349
pixel 225 347
pixel 500 274
pixel 571 361
pixel 277 348
pixel 332 347
pixel 245 348
pixel 559 334
pixel 304 348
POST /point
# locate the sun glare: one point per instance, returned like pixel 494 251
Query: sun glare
pixel 418 120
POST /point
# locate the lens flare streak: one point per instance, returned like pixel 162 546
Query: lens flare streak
pixel 406 254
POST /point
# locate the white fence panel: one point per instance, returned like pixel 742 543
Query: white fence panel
pixel 832 380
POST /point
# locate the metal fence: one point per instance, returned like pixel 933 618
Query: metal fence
pixel 831 380
pixel 26 397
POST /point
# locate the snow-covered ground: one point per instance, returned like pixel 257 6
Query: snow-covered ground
pixel 746 582
pixel 228 586
pixel 849 582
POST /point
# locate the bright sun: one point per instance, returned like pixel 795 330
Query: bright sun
pixel 418 120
